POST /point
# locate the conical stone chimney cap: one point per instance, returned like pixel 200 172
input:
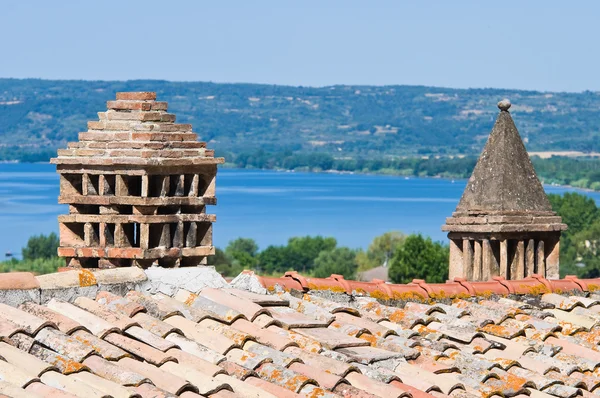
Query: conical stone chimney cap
pixel 504 180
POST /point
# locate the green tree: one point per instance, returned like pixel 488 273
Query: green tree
pixel 243 260
pixel 380 251
pixel 41 246
pixel 580 213
pixel 584 253
pixel 577 211
pixel 37 266
pixel 243 252
pixel 299 254
pixel 419 258
pixel 341 260
pixel 304 250
pixel 275 259
pixel 223 263
pixel 244 245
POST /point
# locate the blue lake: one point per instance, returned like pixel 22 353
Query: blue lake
pixel 268 206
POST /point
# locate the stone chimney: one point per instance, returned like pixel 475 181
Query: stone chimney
pixel 504 224
pixel 137 185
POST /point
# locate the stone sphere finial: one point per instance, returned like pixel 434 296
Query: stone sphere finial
pixel 504 104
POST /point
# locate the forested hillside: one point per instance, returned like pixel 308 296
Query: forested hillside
pixel 38 116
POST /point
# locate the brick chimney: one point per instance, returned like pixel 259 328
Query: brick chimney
pixel 504 224
pixel 137 185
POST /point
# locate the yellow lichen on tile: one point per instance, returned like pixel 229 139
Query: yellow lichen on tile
pixel 408 296
pixel 190 299
pixel 536 290
pixel 379 295
pixel 86 278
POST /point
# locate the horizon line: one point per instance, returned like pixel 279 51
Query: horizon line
pixel 298 86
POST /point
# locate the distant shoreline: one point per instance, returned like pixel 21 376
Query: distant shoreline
pixel 438 177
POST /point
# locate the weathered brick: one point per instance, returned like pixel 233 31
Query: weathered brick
pixel 150 116
pixel 129 105
pixel 98 145
pixel 548 220
pixel 130 116
pixel 136 116
pixel 66 198
pixel 158 106
pixel 95 125
pixel 96 161
pixel 65 152
pixel 162 154
pixel 143 136
pixel 109 136
pixel 167 117
pixel 193 152
pixel 124 252
pixel 112 125
pixel 139 95
pixel 509 219
pixel 124 153
pixel 208 160
pixel 90 252
pixel 105 210
pixel 89 152
pixel 466 220
pixel 173 127
pixel 188 144
pixel 144 126
pixel 180 162
pixel 164 136
pixel 198 251
pixel 136 145
pixel 66 252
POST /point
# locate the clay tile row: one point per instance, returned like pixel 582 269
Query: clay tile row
pixel 459 287
pixel 69 278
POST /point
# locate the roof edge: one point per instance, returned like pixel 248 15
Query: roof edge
pixel 457 288
pixel 69 283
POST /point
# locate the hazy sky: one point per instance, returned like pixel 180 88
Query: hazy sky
pixel 542 45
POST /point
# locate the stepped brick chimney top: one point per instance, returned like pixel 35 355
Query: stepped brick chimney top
pixel 137 185
pixel 504 224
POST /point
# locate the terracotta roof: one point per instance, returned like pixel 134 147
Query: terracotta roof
pixel 420 290
pixel 186 332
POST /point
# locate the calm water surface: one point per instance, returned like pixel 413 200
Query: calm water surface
pixel 265 205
